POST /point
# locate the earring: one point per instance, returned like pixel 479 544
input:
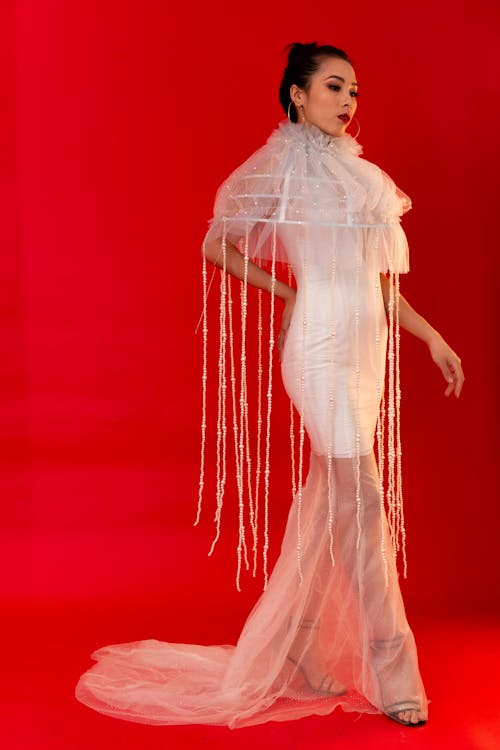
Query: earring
pixel 359 128
pixel 296 111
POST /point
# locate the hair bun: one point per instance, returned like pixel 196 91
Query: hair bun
pixel 298 49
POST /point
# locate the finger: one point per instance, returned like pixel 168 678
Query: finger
pixel 281 341
pixel 455 383
pixel 450 387
pixel 458 376
pixel 459 383
pixel 280 344
pixel 448 376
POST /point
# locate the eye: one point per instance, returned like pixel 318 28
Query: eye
pixel 336 87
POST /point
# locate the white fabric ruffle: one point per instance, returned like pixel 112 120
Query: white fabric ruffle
pixel 304 177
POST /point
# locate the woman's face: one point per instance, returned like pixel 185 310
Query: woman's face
pixel 332 93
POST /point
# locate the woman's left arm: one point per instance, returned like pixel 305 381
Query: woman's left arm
pixel 442 354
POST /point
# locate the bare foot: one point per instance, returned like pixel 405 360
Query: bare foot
pixel 311 665
pixel 412 716
pixel 319 681
pixel 407 716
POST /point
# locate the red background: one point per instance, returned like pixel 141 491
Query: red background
pixel 120 121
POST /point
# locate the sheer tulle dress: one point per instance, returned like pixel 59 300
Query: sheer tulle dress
pixel 330 627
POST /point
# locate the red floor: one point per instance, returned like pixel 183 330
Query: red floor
pixel 46 651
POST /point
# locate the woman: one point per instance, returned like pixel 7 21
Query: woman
pixel 330 628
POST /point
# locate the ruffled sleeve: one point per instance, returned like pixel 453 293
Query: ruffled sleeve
pixel 247 206
pixel 391 243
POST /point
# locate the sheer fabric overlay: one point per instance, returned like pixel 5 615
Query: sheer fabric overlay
pixel 330 627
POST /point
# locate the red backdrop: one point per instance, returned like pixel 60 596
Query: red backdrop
pixel 120 121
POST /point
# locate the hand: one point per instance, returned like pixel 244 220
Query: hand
pixel 285 323
pixel 449 364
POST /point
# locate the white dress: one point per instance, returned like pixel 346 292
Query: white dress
pixel 329 628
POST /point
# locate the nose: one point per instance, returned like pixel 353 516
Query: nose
pixel 348 101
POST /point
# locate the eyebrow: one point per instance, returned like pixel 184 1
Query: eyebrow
pixel 341 79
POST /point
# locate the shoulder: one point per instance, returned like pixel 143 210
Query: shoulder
pixel 266 162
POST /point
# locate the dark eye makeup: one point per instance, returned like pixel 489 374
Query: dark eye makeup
pixel 336 87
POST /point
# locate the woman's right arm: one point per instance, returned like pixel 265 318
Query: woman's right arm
pixel 256 276
pixel 235 265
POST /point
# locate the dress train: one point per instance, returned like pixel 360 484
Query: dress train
pixel 359 633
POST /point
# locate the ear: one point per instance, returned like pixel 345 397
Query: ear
pixel 296 94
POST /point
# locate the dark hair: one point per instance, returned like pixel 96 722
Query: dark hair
pixel 303 61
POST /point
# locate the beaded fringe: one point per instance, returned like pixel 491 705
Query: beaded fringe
pixel 252 484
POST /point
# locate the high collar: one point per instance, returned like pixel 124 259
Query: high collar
pixel 310 135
